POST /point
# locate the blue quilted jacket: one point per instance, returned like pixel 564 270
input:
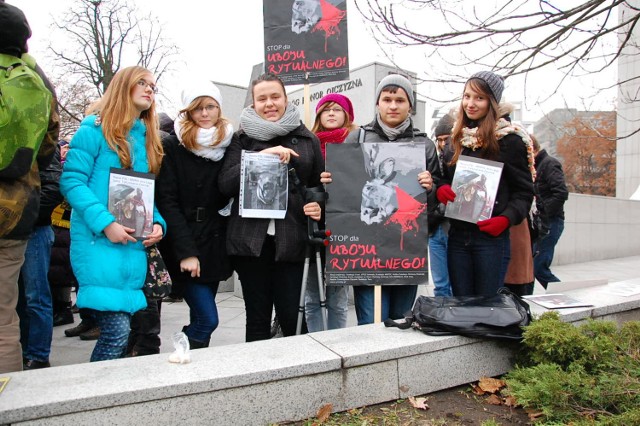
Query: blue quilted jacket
pixel 110 275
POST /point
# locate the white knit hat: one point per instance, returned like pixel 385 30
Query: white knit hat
pixel 197 88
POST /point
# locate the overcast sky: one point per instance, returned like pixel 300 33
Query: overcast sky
pixel 222 40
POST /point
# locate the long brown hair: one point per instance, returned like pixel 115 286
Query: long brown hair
pixel 317 125
pixel 190 127
pixel 118 114
pixel 486 125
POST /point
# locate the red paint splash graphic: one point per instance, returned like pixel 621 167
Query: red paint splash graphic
pixel 407 214
pixel 331 17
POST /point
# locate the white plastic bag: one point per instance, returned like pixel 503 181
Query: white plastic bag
pixel 181 355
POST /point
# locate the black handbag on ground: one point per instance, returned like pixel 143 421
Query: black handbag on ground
pixel 157 284
pixel 498 317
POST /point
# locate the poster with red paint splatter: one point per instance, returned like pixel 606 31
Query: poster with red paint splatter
pixel 377 214
pixel 306 36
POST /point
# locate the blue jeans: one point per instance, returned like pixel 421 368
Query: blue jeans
pixel 477 261
pixel 337 298
pixel 35 307
pixel 396 301
pixel 114 335
pixel 203 312
pixel 543 252
pixel 438 262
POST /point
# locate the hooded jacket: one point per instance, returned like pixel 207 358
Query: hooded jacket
pixel 20 198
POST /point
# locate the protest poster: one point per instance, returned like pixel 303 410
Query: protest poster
pixel 263 186
pixel 377 214
pixel 475 183
pixel 131 200
pixel 306 36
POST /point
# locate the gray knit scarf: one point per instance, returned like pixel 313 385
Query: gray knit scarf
pixel 393 132
pixel 258 128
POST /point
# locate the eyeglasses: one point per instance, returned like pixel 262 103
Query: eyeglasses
pixel 442 139
pixel 210 108
pixel 333 110
pixel 144 85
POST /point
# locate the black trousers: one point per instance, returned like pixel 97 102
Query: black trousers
pixel 144 337
pixel 267 284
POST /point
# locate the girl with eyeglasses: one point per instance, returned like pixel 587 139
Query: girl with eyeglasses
pixel 268 254
pixel 333 123
pixel 189 200
pixel 120 131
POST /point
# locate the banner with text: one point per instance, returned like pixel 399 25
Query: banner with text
pixel 306 36
pixel 377 214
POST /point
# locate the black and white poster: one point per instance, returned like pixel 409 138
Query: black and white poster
pixel 263 186
pixel 306 36
pixel 377 214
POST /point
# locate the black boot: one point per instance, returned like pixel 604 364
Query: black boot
pixel 62 314
pixel 195 344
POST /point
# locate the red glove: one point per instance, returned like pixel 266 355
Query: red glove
pixel 445 194
pixel 494 226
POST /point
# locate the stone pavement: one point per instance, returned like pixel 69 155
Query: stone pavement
pixel 72 350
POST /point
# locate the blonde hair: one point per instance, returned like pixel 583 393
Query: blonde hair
pixel 190 127
pixel 318 127
pixel 486 125
pixel 118 114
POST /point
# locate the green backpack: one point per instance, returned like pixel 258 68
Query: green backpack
pixel 25 105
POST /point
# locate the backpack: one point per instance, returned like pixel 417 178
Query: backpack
pixel 25 106
pixel 496 317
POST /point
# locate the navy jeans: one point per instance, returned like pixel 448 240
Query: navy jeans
pixel 543 252
pixel 396 301
pixel 477 261
pixel 438 262
pixel 203 312
pixel 35 307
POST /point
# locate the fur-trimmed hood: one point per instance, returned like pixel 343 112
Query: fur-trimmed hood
pixel 505 108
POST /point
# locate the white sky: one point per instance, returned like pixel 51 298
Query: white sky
pixel 222 40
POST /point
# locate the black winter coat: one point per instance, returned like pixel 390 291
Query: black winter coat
pixel 515 190
pixel 551 190
pixel 245 236
pixel 188 198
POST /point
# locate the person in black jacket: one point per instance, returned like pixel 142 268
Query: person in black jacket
pixel 20 200
pixel 268 254
pixel 35 307
pixel 188 198
pixel 479 253
pixel 551 194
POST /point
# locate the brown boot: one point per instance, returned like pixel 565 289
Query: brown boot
pixel 92 334
pixel 78 329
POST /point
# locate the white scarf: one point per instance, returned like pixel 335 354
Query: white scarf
pixel 204 139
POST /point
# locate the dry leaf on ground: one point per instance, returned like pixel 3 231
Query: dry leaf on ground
pixel 494 400
pixel 419 403
pixel 510 401
pixel 491 385
pixel 324 412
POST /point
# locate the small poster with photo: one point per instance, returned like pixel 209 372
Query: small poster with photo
pixel 131 200
pixel 556 301
pixel 475 183
pixel 264 186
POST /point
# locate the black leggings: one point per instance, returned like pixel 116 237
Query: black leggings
pixel 267 284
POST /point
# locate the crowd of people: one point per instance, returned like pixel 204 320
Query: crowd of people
pixel 68 238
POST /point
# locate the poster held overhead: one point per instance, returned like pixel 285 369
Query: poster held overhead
pixel 306 36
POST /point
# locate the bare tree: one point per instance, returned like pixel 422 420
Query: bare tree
pixel 102 35
pixel 511 36
pixel 74 97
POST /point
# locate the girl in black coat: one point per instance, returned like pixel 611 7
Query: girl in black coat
pixel 188 197
pixel 478 253
pixel 268 254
